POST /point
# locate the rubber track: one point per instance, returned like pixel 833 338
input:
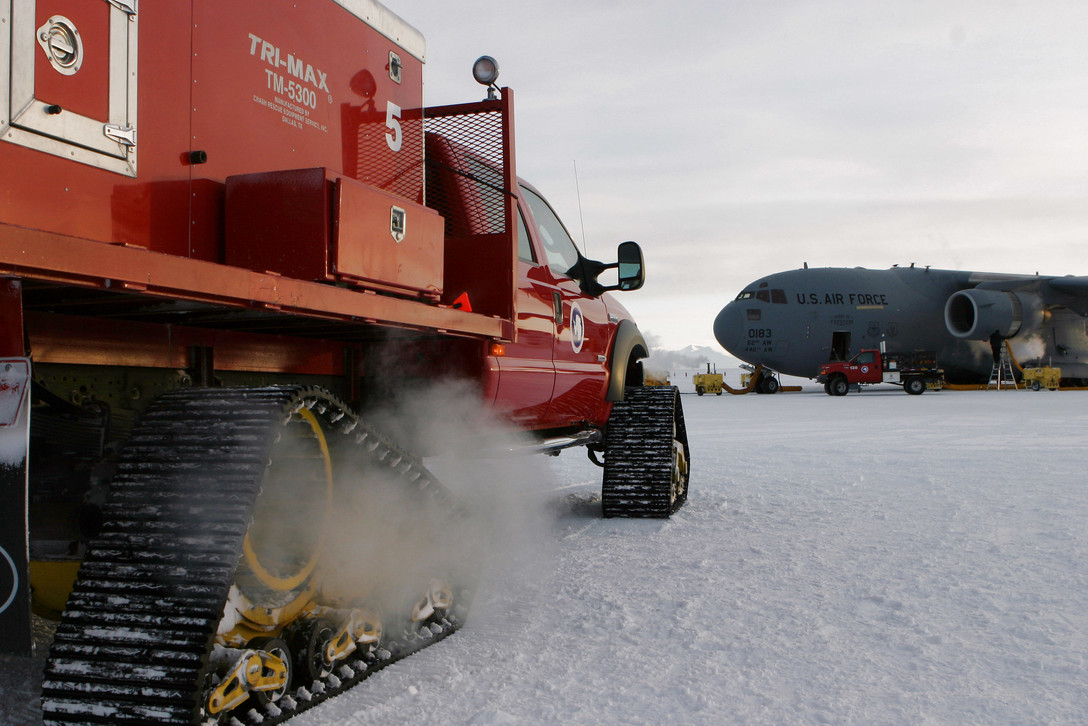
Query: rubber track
pixel 133 643
pixel 638 453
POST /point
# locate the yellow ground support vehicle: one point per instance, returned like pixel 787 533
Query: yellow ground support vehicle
pixel 709 382
pixel 1036 378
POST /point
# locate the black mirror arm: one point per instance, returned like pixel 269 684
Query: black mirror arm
pixel 591 270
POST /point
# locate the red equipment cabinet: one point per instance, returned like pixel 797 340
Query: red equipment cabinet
pixel 314 224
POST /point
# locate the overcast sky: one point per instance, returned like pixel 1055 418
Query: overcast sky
pixel 737 138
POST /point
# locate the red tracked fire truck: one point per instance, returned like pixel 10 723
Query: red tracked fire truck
pixel 228 231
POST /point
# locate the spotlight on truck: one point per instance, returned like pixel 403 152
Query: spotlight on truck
pixel 486 71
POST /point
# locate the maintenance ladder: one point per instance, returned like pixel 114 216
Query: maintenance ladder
pixel 1002 376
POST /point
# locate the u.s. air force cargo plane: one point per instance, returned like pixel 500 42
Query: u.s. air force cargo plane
pixel 791 322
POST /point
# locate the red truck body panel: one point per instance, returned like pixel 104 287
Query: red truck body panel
pixel 247 83
pixel 249 209
pixel 248 87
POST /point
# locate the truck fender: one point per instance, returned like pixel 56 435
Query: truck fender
pixel 628 348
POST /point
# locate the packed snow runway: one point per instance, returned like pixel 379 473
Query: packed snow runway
pixel 873 559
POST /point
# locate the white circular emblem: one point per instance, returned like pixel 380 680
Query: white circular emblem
pixel 3 580
pixel 865 369
pixel 577 327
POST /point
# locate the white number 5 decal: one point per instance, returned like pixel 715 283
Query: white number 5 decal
pixel 393 137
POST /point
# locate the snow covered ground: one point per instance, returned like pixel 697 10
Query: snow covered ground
pixel 873 559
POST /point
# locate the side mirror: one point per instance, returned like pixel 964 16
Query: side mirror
pixel 628 266
pixel 631 268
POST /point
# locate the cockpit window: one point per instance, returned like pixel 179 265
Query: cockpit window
pixel 763 295
pixel 778 297
pixel 746 295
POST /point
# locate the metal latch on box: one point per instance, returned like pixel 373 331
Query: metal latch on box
pixel 124 135
pixel 398 221
pixel 395 67
pixel 129 6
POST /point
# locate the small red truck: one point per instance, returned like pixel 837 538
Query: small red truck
pixel 914 371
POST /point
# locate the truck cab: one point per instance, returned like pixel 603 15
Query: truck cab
pixel 557 370
pixel 574 347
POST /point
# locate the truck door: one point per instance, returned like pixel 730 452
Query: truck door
pixel 865 368
pixel 526 373
pixel 580 351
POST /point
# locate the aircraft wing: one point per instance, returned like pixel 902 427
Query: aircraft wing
pixel 1076 290
pixel 1071 291
pixel 1004 304
pixel 1070 284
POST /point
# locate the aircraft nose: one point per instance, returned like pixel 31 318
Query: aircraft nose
pixel 729 327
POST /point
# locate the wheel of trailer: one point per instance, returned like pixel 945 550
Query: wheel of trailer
pixel 699 390
pixel 646 467
pixel 285 540
pixel 915 386
pixel 278 648
pixel 770 385
pixel 1035 385
pixel 309 638
pixel 838 386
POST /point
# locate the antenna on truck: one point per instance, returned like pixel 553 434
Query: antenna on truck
pixel 578 192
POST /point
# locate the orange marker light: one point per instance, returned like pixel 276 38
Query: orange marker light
pixel 497 349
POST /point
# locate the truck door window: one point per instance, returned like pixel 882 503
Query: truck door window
pixel 867 357
pixel 559 250
pixel 525 249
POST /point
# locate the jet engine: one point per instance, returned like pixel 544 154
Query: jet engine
pixel 976 314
